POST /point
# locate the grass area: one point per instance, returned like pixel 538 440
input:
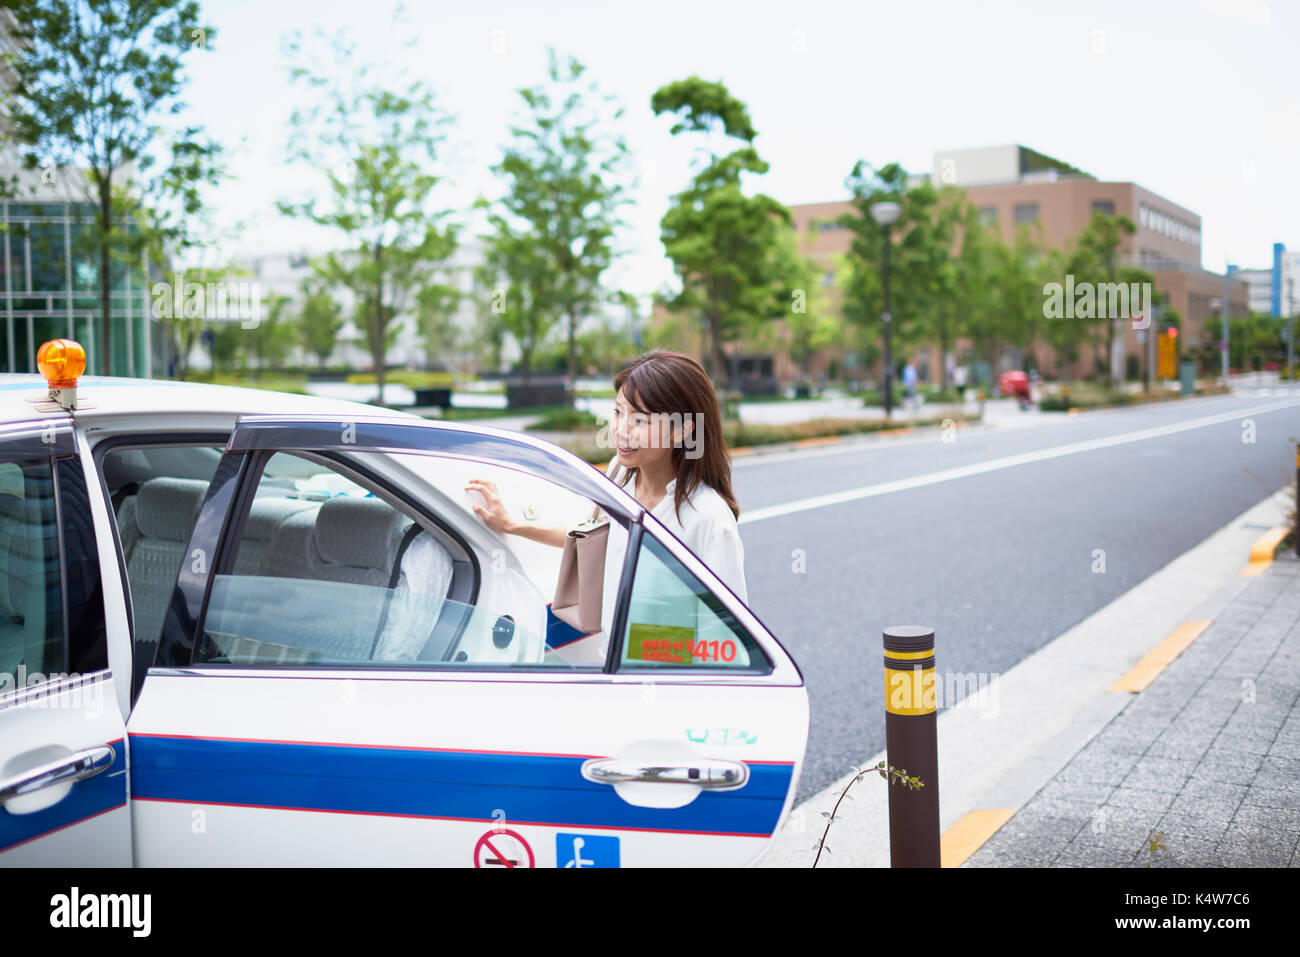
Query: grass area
pixel 270 381
pixel 1084 395
pixel 461 414
pixel 562 420
pixel 738 435
pixel 411 378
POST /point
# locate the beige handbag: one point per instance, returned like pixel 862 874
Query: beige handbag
pixel 581 585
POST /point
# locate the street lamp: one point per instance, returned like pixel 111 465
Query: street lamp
pixel 886 214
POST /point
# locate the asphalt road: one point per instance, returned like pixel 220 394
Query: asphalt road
pixel 1001 540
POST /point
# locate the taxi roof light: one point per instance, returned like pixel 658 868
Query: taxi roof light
pixel 61 362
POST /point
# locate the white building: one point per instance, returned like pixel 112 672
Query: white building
pixel 286 273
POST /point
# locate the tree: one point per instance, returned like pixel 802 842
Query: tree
pixel 270 341
pixel 522 293
pixel 1095 259
pixel 319 321
pixel 920 276
pixel 435 317
pixel 186 325
pixel 490 328
pixel 725 246
pixel 811 321
pixel 564 194
pixel 375 147
pixel 93 81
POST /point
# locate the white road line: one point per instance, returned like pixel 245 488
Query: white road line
pixel 1006 462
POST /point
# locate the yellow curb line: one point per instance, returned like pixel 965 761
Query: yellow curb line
pixel 969 834
pixel 1160 657
pixel 1263 551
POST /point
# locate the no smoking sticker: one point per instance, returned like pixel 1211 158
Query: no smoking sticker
pixel 503 849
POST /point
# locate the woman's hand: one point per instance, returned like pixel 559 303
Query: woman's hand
pixel 494 515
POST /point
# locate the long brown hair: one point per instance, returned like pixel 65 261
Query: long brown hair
pixel 670 382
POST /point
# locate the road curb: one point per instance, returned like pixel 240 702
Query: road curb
pixel 1264 551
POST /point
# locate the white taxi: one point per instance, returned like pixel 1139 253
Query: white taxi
pixel 246 628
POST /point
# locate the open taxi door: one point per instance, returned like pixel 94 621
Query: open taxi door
pixel 355 670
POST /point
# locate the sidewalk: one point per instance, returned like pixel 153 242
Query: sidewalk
pixel 1199 769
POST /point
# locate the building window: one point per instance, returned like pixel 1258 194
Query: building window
pixel 828 279
pixel 988 215
pixel 1026 212
pixel 1103 206
pixel 1142 216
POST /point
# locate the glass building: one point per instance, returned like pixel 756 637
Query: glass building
pixel 49 281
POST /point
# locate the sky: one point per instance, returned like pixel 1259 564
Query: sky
pixel 1197 100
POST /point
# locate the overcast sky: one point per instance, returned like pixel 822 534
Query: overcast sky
pixel 1197 100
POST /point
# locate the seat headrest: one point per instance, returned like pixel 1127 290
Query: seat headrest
pixel 167 507
pixel 267 514
pixel 357 532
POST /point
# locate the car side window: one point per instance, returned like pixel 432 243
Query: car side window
pixel 336 568
pixel 31 586
pixel 156 492
pixel 675 622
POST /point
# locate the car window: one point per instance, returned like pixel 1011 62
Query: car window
pixel 674 621
pixel 155 491
pixel 335 567
pixel 31 587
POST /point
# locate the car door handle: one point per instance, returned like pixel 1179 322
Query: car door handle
pixel 66 770
pixel 710 773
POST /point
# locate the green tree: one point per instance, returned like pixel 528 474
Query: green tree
pixel 920 274
pixel 435 316
pixel 563 196
pixel 93 81
pixel 227 346
pixel 522 293
pixel 375 146
pixel 271 339
pixel 186 325
pixel 811 321
pixel 490 326
pixel 319 321
pixel 726 247
pixel 1094 258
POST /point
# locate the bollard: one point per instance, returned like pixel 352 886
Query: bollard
pixel 1295 531
pixel 911 742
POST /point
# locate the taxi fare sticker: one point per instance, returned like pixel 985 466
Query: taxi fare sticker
pixel 676 645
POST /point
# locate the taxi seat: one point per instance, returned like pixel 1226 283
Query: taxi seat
pixel 265 520
pixel 163 514
pixel 343 540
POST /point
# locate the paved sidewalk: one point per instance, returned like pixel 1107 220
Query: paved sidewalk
pixel 1207 757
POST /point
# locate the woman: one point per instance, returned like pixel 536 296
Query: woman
pixel 668 430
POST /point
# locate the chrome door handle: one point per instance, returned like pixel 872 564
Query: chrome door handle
pixel 68 770
pixel 709 773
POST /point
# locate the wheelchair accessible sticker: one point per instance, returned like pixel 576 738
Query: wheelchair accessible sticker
pixel 585 850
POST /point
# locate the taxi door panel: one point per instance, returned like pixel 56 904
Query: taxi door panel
pixel 442 766
pixel 63 753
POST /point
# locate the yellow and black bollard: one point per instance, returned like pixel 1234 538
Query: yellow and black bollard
pixel 911 743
